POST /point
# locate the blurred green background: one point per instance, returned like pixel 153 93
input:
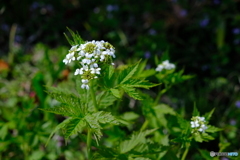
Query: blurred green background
pixel 201 36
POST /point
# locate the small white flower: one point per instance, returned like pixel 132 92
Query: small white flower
pixel 95 71
pixel 69 57
pixel 159 68
pixel 73 48
pixel 199 124
pixel 85 86
pixel 202 118
pixel 79 71
pixel 84 81
pixel 165 65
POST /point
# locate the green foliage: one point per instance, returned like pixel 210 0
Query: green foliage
pixel 124 81
pixel 135 140
pixel 106 114
pixel 77 40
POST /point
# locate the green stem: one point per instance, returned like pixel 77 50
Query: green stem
pixel 11 43
pixel 93 95
pixel 144 126
pixel 89 141
pixel 185 152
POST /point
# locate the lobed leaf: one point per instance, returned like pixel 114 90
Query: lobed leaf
pixel 105 99
pixel 140 83
pixel 73 126
pixel 76 38
pixel 131 92
pixel 59 126
pixel 135 140
pixel 64 110
pixel 209 114
pixel 212 129
pixel 127 73
pixel 116 92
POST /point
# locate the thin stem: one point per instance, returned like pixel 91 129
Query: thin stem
pixel 93 95
pixel 185 152
pixel 89 141
pixel 144 126
pixel 11 43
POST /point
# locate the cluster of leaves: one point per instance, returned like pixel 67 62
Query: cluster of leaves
pixel 86 111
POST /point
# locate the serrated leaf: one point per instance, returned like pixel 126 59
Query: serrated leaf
pixel 59 126
pixel 77 40
pixel 105 117
pixel 135 139
pixel 116 92
pixel 94 119
pixel 73 126
pixel 63 97
pixel 62 110
pixel 183 123
pixel 127 73
pixel 206 137
pixel 139 83
pixel 105 99
pixel 132 92
pixel 198 137
pixel 212 129
pixel 71 106
pixel 209 114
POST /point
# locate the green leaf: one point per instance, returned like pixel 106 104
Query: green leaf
pixel 39 154
pixel 195 111
pixel 94 119
pixel 139 83
pixel 116 92
pixel 205 154
pixel 183 123
pixel 164 109
pixel 110 71
pixel 105 99
pixel 212 129
pixel 223 144
pixel 206 137
pixel 135 140
pixel 209 114
pixel 128 73
pixel 74 126
pixel 59 126
pixel 72 105
pixel 77 40
pixel 198 137
pixel 130 116
pixel 105 117
pixel 131 92
pixel 146 73
pixel 38 86
pixel 3 131
pixel 62 110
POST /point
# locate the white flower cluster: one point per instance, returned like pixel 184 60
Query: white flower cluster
pixel 89 55
pixel 165 65
pixel 199 124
